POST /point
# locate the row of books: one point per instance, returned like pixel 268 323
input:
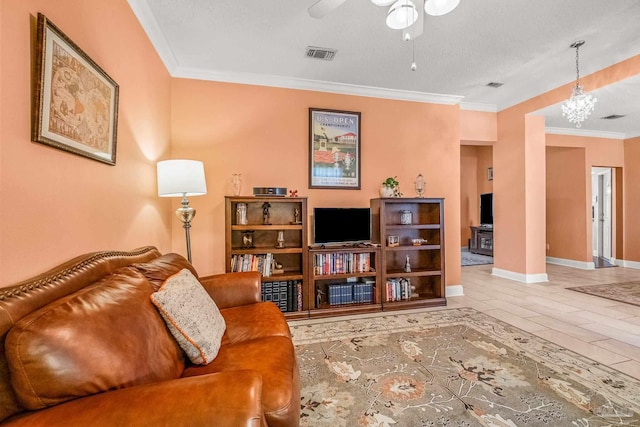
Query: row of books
pixel 350 293
pixel 286 294
pixel 400 290
pixel 341 263
pixel 248 262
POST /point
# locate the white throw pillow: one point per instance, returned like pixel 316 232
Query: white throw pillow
pixel 191 315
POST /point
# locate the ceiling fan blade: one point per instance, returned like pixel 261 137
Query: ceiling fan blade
pixel 418 27
pixel 322 7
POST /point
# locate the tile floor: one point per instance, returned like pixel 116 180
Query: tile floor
pixel 603 330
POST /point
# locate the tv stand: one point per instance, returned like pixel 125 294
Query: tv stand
pixel 482 240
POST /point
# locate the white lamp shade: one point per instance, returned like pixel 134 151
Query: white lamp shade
pixel 177 178
pixel 440 7
pixel 402 15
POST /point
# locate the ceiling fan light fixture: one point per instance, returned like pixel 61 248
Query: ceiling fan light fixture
pixel 440 7
pixel 402 15
pixel 382 2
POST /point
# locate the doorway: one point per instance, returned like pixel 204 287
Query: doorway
pixel 601 212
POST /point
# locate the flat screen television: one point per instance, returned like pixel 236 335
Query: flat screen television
pixel 341 225
pixel 486 209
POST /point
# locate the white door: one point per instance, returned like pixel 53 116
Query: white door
pixel 601 202
pixel 606 215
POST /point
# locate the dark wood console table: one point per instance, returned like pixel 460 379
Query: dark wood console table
pixel 481 240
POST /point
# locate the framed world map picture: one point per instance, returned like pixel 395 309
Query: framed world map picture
pixel 76 102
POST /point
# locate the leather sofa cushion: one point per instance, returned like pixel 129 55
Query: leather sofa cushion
pixel 248 322
pixel 160 269
pixel 105 336
pixel 274 358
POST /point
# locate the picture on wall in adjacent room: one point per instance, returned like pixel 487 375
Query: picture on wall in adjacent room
pixel 76 102
pixel 334 149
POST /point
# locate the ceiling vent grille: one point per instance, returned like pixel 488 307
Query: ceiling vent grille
pixel 320 53
pixel 613 117
pixel 494 84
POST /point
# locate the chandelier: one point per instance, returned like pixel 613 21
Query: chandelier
pixel 578 107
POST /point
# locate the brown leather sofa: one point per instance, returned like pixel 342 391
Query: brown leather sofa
pixel 82 345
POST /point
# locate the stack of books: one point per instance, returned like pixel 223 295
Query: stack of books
pixel 248 262
pixel 286 294
pixel 341 263
pixel 399 290
pixel 345 293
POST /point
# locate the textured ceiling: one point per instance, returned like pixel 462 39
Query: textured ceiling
pixel 521 43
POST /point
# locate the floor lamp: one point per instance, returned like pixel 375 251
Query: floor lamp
pixel 182 178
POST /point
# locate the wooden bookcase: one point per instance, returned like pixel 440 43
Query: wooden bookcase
pixel 424 284
pixel 343 280
pixel 249 244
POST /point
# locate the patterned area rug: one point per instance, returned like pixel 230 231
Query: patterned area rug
pixel 628 292
pixel 475 259
pixel 453 367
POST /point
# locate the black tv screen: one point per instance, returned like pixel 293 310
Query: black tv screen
pixel 341 225
pixel 486 209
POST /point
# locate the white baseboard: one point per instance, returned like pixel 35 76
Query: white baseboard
pixel 520 277
pixel 584 265
pixel 628 264
pixel 454 291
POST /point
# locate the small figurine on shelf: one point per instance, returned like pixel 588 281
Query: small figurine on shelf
pixel 407 266
pixel 265 213
pixel 247 239
pixel 419 184
pixel 296 216
pixel 276 267
pixel 319 298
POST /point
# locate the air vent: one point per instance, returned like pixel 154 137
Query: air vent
pixel 321 53
pixel 494 84
pixel 613 117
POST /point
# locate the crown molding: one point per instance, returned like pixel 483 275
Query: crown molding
pixel 314 85
pixel 632 135
pixel 477 106
pixel 587 133
pixel 150 25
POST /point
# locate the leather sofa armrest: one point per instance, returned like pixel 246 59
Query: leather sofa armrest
pixel 234 289
pixel 225 399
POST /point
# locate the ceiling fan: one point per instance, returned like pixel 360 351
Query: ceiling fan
pixel 403 14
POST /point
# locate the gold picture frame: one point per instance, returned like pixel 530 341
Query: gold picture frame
pixel 75 105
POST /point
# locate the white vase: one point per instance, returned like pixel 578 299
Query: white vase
pixel 236 180
pixel 386 191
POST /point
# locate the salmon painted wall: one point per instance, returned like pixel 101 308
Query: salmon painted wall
pixel 509 195
pixel 567 224
pixel 478 127
pixel 598 152
pixel 474 162
pixel 631 193
pixel 55 205
pixel 262 133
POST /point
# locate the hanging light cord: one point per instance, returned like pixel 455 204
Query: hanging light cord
pixel 577 46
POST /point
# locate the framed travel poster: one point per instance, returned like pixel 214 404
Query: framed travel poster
pixel 334 149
